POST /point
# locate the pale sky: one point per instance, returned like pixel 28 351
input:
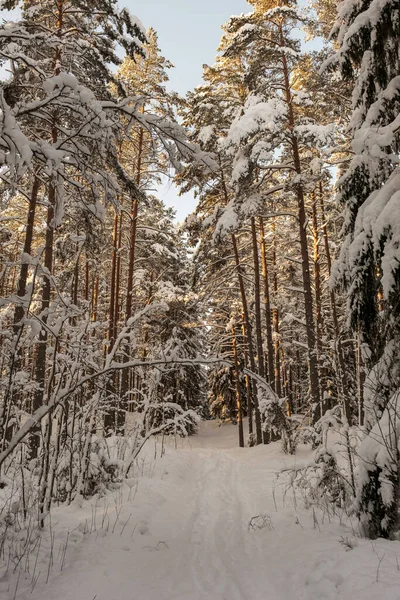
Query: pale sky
pixel 189 32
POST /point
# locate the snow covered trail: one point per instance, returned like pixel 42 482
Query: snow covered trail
pixel 185 535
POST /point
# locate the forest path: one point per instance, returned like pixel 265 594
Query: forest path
pixel 185 534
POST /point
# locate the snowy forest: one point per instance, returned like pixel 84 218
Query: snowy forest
pixel 240 369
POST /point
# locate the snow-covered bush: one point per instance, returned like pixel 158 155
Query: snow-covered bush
pixel 275 422
pixel 378 493
pixel 329 481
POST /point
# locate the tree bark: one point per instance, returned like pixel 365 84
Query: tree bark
pixel 360 382
pixel 275 321
pixel 40 368
pixel 342 379
pixel 118 278
pixel 257 304
pixel 249 337
pixel 111 312
pixel 238 391
pixel 267 308
pixel 308 299
pixel 249 392
pixel 319 318
pixel 110 413
pixel 87 279
pixel 317 281
pixel 257 301
pixel 131 266
pixel 95 298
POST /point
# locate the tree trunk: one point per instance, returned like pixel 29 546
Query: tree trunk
pixel 275 321
pixel 317 281
pixel 267 308
pixel 131 267
pixel 110 413
pixel 40 369
pixel 308 299
pixel 238 391
pixel 247 329
pixel 360 382
pixel 285 383
pixel 111 312
pixel 290 390
pixel 87 279
pixel 249 337
pixel 95 298
pixel 118 279
pixel 257 304
pixel 318 300
pixel 308 304
pixel 249 392
pixel 120 408
pixel 342 380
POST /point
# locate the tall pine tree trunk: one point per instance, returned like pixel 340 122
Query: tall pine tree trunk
pixel 40 367
pixel 248 337
pixel 249 391
pixel 247 328
pixel 113 279
pixel 120 407
pixel 95 298
pixel 257 305
pixel 318 298
pixel 257 301
pixel 118 279
pixel 317 280
pixel 87 278
pixel 302 219
pixel 238 391
pixel 110 412
pixel 342 380
pixel 131 266
pixel 267 307
pixel 275 320
pixel 360 381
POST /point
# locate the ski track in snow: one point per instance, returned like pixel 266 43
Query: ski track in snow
pixel 188 537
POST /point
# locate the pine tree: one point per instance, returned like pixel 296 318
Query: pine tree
pixel 367 57
pixel 268 123
pixel 146 160
pixel 212 108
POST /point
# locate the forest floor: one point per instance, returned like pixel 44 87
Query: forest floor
pixel 185 532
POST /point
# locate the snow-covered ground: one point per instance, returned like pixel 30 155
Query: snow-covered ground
pixel 180 530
